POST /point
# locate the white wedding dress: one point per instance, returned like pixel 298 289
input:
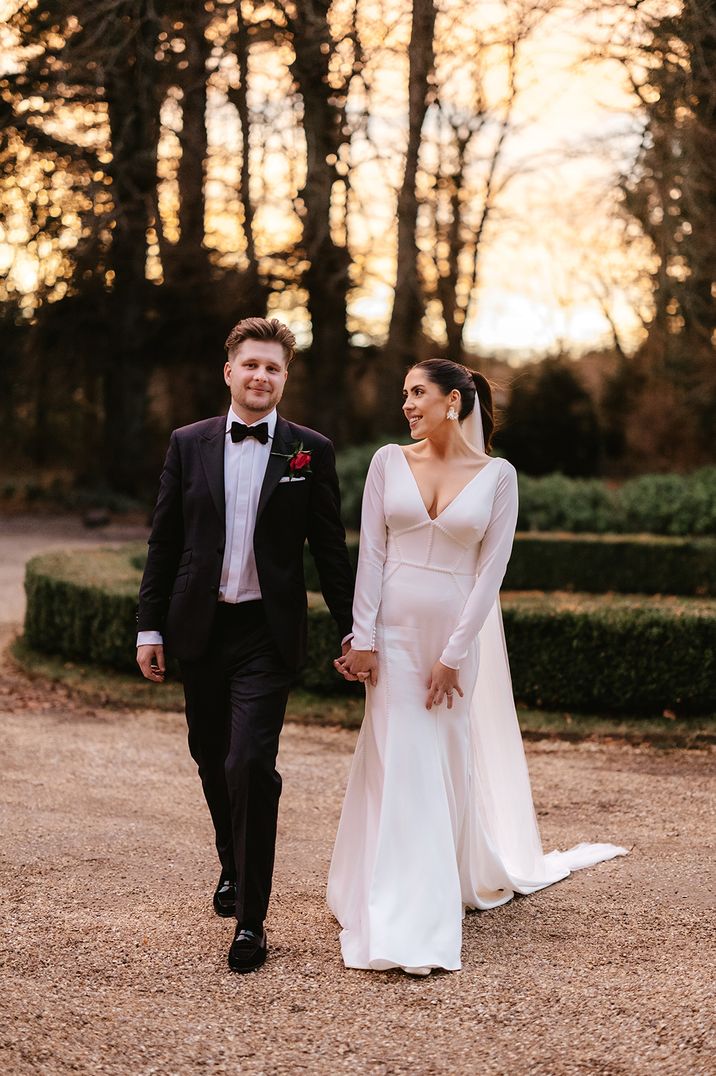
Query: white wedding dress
pixel 438 813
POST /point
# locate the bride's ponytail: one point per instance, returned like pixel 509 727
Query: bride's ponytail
pixel 483 400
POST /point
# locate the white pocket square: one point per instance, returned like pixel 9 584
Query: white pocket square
pixel 289 478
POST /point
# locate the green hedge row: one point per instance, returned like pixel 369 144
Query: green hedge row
pixel 600 564
pixel 621 654
pixel 82 606
pixel 590 653
pixel 651 504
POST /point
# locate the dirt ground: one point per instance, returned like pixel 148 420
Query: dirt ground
pixel 113 962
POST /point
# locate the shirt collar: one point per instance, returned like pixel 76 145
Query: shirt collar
pixel 269 419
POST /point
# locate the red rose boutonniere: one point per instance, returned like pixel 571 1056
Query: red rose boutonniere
pixel 299 461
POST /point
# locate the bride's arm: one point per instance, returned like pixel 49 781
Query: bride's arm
pixel 371 556
pixel 360 660
pixel 491 566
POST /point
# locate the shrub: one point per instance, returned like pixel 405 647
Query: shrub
pixel 629 564
pixel 670 504
pixel 352 465
pixel 82 606
pixel 556 503
pixel 618 654
pixel 622 654
pixel 652 504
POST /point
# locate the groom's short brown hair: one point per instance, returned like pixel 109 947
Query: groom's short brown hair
pixel 262 329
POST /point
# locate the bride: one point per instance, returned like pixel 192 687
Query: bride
pixel 438 813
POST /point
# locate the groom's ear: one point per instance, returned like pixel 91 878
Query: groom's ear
pixel 227 372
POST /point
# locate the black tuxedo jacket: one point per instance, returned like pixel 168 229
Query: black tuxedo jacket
pixel 180 585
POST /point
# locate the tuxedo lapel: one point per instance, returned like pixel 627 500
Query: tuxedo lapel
pixel 276 468
pixel 211 447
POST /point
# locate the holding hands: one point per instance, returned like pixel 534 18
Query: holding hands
pixel 361 665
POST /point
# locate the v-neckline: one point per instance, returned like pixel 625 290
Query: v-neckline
pixel 434 519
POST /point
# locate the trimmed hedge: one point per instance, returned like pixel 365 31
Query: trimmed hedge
pixel 597 564
pixel 667 504
pixel 630 564
pixel 622 654
pixel 82 606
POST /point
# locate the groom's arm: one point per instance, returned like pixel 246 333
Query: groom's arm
pixel 327 538
pixel 166 542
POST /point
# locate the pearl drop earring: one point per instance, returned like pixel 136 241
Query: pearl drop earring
pixel 452 414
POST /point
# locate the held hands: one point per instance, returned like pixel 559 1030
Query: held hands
pixel 443 683
pixel 359 665
pixel 150 659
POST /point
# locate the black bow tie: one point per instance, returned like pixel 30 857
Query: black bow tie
pixel 239 432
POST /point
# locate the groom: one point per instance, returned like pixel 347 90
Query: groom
pixel 223 587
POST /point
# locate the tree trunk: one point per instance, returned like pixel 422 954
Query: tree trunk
pixel 405 331
pixel 255 289
pixel 190 255
pixel 134 126
pixel 327 276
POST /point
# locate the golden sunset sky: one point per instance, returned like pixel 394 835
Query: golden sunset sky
pixel 556 256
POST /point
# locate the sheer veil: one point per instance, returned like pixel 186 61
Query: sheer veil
pixel 502 795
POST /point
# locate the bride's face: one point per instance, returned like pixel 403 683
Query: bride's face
pixel 424 404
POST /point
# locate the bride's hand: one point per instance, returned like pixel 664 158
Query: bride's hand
pixel 443 683
pixel 359 665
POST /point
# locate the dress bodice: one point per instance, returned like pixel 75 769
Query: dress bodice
pixel 451 541
pixel 472 537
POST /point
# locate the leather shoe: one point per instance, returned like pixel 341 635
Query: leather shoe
pixel 225 898
pixel 248 949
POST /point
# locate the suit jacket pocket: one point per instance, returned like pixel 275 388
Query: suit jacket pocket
pixel 180 583
pixel 184 559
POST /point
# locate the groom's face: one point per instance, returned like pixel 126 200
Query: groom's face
pixel 256 373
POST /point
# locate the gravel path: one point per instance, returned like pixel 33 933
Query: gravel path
pixel 113 962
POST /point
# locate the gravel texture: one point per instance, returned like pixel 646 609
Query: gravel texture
pixel 113 962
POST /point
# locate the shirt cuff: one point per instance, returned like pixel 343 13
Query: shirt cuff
pixel 149 638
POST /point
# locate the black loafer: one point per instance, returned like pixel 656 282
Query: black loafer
pixel 248 950
pixel 225 898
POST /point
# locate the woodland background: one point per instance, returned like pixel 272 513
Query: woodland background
pixel 167 167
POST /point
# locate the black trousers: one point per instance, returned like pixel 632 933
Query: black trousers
pixel 235 704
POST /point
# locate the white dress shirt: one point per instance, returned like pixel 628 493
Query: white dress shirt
pixel 244 469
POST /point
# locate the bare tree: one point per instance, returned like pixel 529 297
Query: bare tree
pixel 408 304
pixel 470 172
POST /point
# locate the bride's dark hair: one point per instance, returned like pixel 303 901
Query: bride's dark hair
pixel 471 385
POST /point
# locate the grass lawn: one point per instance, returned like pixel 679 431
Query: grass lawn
pixel 112 690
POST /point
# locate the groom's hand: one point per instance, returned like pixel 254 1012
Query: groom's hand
pixel 338 662
pixel 150 660
pixel 359 665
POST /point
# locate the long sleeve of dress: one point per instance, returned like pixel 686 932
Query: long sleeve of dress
pixel 371 557
pixel 492 562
